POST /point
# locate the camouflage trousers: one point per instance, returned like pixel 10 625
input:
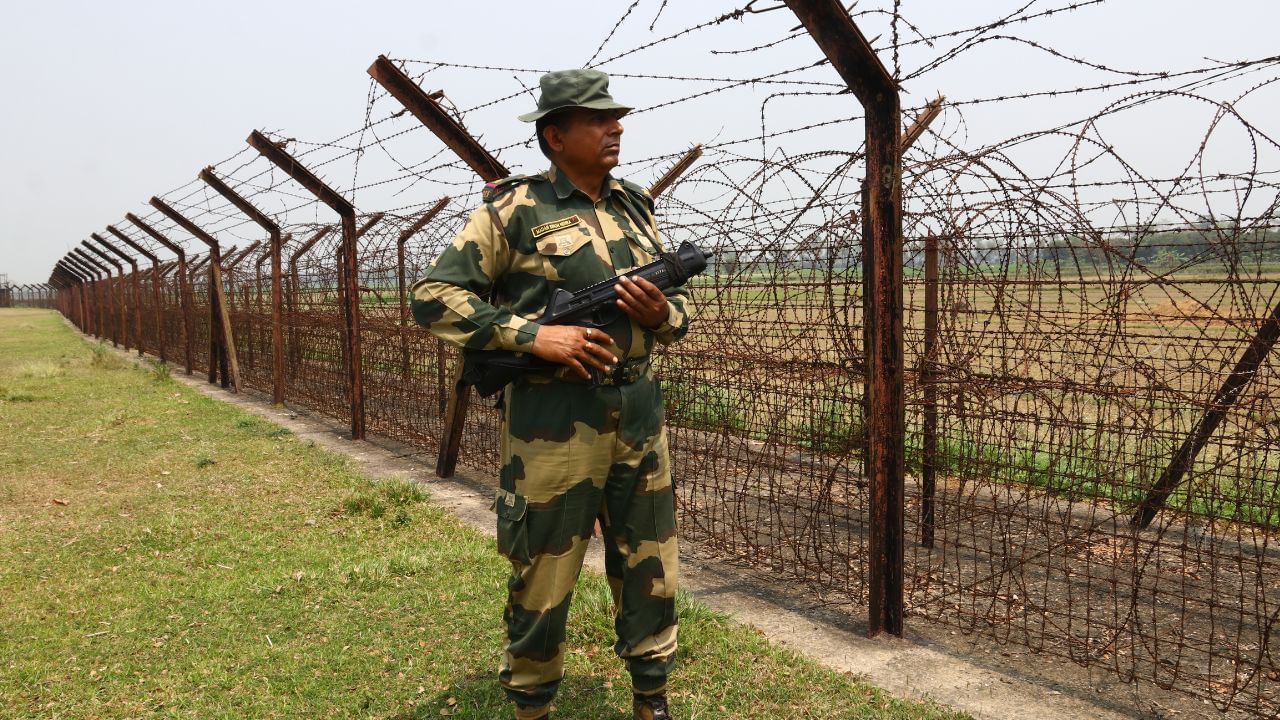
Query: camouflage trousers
pixel 573 453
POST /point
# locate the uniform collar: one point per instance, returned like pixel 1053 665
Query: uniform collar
pixel 564 187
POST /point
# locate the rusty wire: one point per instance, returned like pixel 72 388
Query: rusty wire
pixel 1085 313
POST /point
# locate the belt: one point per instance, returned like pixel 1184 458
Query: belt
pixel 624 373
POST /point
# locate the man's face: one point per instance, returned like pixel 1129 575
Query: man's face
pixel 588 142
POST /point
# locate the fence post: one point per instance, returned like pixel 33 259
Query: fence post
pixel 854 59
pixel 120 318
pixel 469 150
pixel 273 229
pixel 137 289
pixel 219 321
pixel 75 302
pixel 99 293
pixel 78 294
pixel 114 291
pixel 102 276
pixel 340 265
pixel 155 286
pixel 409 232
pixel 87 287
pixel 184 284
pixel 351 303
pixel 89 281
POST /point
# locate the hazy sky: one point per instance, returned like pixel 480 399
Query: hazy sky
pixel 108 103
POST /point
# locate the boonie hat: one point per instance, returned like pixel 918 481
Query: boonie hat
pixel 564 89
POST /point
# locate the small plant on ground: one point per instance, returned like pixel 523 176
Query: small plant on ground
pixel 830 426
pixel 372 499
pixel 41 370
pixel 161 372
pixel 104 359
pixel 704 407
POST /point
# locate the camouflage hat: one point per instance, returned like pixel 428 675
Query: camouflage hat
pixel 564 89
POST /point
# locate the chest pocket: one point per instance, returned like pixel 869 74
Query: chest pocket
pixel 563 243
pixel 568 259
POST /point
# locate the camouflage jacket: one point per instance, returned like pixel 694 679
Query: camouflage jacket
pixel 531 235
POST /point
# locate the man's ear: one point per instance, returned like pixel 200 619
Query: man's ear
pixel 551 134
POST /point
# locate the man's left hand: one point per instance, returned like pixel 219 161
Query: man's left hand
pixel 643 301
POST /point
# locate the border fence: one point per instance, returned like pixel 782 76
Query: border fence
pixel 32 295
pixel 1021 387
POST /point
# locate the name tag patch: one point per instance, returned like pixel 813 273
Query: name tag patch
pixel 554 225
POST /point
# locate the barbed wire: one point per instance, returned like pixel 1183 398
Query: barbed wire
pixel 1073 303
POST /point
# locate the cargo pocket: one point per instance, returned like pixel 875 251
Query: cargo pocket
pixel 513 531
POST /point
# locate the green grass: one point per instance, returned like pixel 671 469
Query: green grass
pixel 702 406
pixel 1100 470
pixel 166 555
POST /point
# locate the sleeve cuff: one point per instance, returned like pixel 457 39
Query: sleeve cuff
pixel 666 332
pixel 517 334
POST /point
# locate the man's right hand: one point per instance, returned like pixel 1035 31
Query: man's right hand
pixel 576 347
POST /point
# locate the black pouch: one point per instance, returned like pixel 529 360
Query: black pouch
pixel 513 534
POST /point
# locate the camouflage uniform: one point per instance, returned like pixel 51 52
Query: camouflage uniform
pixel 571 452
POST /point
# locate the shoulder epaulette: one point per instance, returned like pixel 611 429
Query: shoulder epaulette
pixel 638 192
pixel 496 189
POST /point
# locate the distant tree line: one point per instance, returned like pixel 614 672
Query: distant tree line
pixel 1224 244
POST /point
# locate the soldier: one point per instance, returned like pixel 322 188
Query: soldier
pixel 574 452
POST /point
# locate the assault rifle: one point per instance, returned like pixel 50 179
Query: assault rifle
pixel 491 370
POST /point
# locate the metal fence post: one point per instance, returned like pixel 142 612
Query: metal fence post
pixel 219 321
pixel 469 150
pixel 155 286
pixel 102 276
pixel 184 285
pixel 351 304
pixel 854 59
pixel 115 286
pixel 134 283
pixel 409 232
